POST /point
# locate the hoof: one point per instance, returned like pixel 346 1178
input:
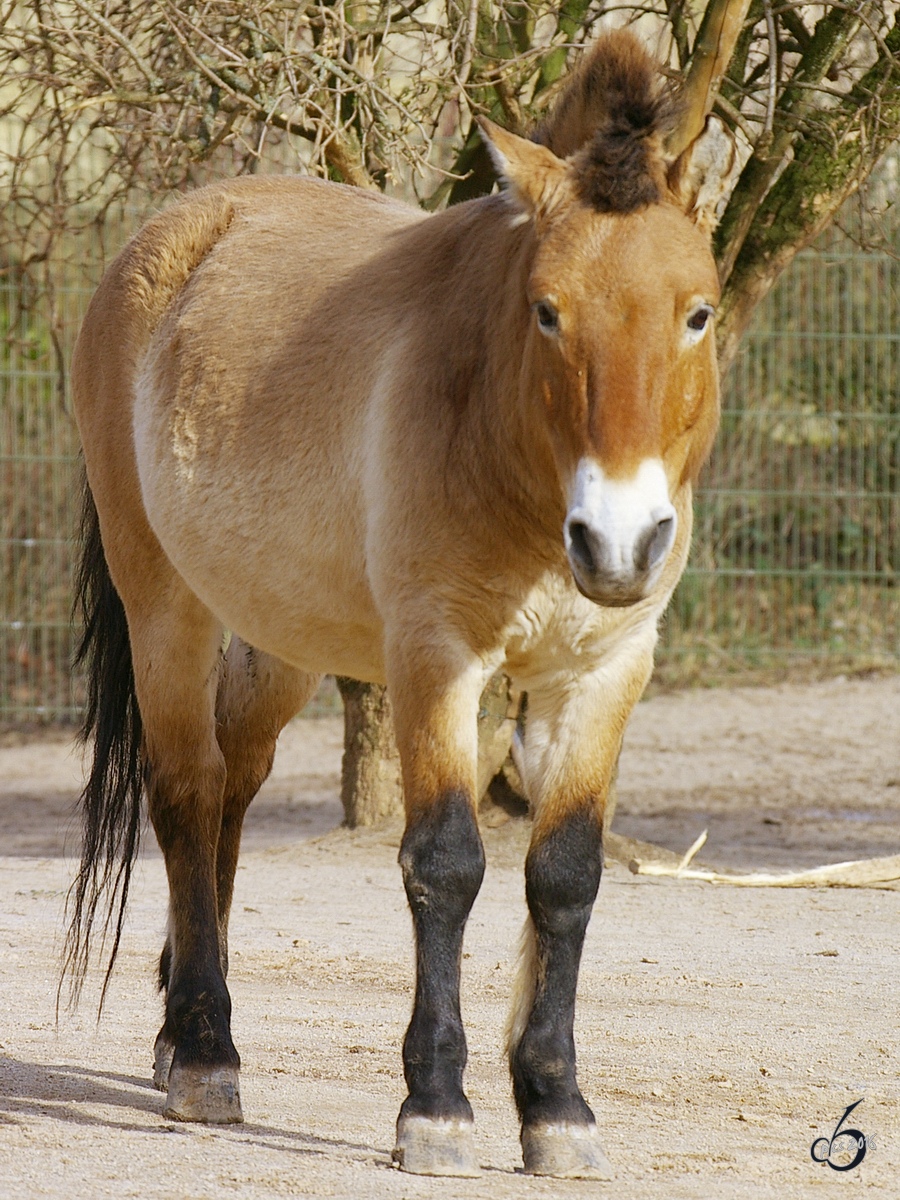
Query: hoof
pixel 208 1094
pixel 163 1053
pixel 436 1147
pixel 565 1151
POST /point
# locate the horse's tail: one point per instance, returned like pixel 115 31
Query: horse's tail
pixel 111 800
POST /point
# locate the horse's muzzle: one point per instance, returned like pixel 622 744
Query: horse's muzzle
pixel 619 536
pixel 600 578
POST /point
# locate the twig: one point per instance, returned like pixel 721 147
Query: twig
pixel 119 37
pixel 722 24
pixel 685 862
pixel 469 48
pixel 736 117
pixel 765 138
pixel 864 872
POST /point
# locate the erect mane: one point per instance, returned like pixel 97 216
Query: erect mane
pixel 611 117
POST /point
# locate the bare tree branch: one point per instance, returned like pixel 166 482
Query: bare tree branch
pixel 722 23
pixel 834 31
pixel 831 162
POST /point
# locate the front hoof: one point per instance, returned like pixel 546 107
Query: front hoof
pixel 163 1053
pixel 208 1094
pixel 565 1151
pixel 427 1146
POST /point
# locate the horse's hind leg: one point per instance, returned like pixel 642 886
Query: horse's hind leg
pixel 176 646
pixel 257 695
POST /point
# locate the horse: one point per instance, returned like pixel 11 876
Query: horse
pixel 410 449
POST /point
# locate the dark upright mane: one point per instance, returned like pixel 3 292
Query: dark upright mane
pixel 611 117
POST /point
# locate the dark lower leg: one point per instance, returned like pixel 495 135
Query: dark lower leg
pixel 196 1057
pixel 562 875
pixel 443 865
pixel 226 865
pixel 198 1007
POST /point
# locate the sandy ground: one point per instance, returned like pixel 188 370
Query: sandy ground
pixel 720 1030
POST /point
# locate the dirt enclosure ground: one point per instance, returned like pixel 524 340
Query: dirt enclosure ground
pixel 720 1030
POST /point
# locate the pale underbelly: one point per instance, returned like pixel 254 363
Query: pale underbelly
pixel 316 629
pixel 287 578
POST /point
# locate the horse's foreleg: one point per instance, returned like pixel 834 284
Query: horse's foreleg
pixel 443 864
pixel 257 695
pixel 571 751
pixel 562 875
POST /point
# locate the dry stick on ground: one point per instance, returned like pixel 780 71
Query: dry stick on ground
pixel 647 859
pixel 865 872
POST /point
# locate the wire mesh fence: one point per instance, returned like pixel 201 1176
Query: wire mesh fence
pixel 38 502
pixel 797 534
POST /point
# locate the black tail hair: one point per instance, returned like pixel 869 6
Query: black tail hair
pixel 111 800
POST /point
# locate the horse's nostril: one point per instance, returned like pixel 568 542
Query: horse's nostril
pixel 662 538
pixel 579 546
pixel 654 544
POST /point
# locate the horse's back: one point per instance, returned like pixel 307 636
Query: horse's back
pixel 267 247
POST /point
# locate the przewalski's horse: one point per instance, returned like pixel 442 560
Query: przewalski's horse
pixel 411 449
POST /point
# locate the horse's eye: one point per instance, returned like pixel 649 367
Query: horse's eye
pixel 547 318
pixel 699 317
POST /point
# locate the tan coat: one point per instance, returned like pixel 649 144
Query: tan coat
pixel 407 449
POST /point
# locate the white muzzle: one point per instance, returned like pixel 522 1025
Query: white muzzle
pixel 619 532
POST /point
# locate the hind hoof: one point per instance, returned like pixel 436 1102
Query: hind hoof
pixel 207 1094
pixel 163 1053
pixel 565 1151
pixel 428 1146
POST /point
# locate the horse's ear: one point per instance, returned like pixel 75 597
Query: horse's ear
pixel 532 173
pixel 701 178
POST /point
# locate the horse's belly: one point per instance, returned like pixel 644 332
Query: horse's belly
pixel 286 604
pixel 301 619
pixel 276 552
pixel 316 643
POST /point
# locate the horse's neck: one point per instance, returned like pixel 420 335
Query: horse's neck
pixel 499 451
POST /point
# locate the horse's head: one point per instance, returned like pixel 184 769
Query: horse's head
pixel 622 291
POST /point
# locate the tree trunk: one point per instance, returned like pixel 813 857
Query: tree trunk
pixel 371 787
pixel 497 714
pixel 760 236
